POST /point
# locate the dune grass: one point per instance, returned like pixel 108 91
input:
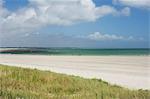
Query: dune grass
pixel 22 83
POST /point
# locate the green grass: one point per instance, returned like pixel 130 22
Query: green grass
pixel 22 83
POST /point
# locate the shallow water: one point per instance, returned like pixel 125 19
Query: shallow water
pixel 74 51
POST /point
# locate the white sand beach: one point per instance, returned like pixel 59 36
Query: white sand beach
pixel 127 71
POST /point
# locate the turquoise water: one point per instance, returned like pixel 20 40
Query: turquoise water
pixel 74 51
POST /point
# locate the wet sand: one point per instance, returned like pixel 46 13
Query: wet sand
pixel 127 71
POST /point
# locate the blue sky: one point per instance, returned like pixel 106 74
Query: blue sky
pixel 90 24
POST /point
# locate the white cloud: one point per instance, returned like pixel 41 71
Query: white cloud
pixel 100 36
pixel 3 12
pixel 135 3
pixel 97 36
pixel 41 13
pixel 125 11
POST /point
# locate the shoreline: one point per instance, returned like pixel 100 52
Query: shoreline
pixel 127 71
pixel 121 55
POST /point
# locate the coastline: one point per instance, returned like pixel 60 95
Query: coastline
pixel 127 71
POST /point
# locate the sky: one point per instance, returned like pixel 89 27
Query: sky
pixel 75 23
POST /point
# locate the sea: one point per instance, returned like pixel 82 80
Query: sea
pixel 75 51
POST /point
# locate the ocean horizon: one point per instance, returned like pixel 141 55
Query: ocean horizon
pixel 74 51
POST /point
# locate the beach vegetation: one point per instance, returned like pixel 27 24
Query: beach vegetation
pixel 23 83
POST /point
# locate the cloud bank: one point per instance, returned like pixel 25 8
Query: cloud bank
pixel 40 13
pixel 135 3
pixel 97 36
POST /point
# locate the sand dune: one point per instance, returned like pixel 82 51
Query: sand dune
pixel 127 71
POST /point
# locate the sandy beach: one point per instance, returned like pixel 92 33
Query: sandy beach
pixel 127 71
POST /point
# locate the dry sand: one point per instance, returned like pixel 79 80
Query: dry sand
pixel 128 71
